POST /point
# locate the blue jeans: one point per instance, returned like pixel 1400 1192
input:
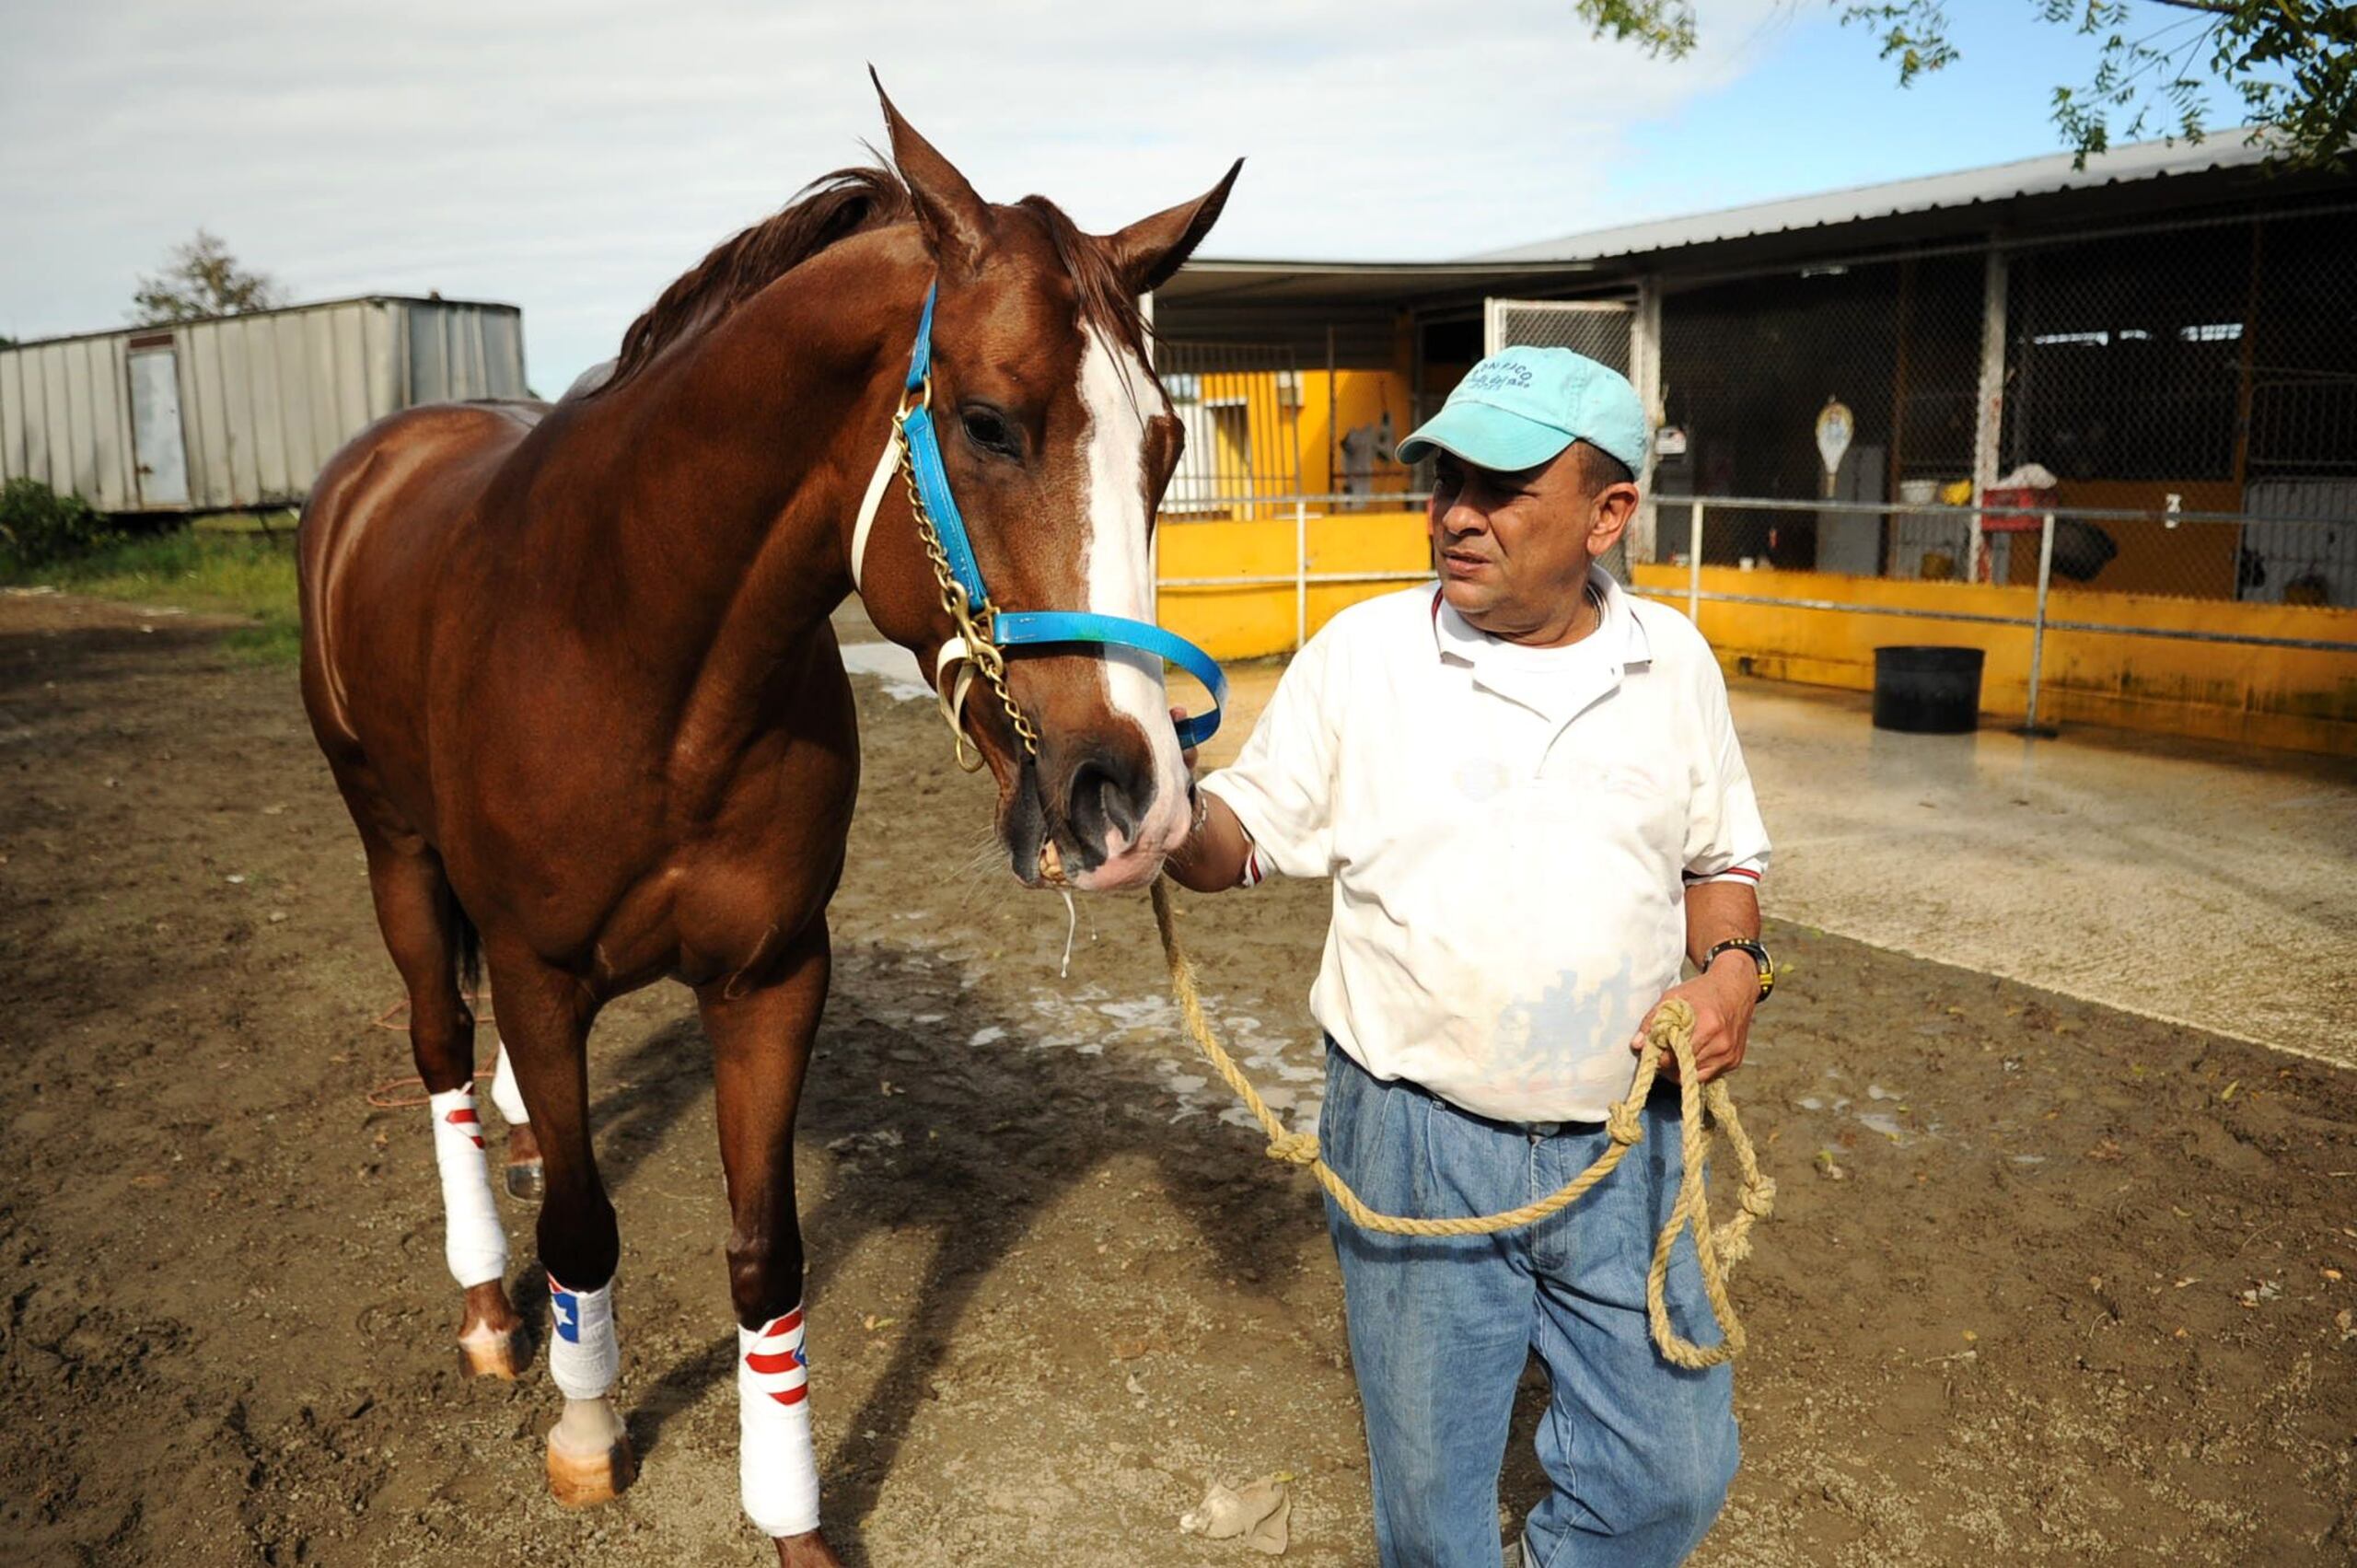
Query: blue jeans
pixel 1640 1453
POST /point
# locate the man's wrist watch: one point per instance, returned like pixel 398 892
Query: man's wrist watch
pixel 1758 956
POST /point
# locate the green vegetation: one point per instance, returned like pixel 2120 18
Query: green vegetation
pixel 38 525
pixel 248 575
pixel 2290 62
pixel 201 279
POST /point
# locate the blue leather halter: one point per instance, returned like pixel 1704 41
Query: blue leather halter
pixel 1031 629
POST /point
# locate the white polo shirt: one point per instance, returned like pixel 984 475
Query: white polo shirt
pixel 1510 832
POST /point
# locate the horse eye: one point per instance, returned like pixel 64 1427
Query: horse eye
pixel 987 430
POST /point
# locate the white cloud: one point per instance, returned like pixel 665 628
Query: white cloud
pixel 575 158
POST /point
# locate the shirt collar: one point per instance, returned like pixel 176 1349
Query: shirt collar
pixel 1455 639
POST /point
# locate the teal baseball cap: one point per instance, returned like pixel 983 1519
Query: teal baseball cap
pixel 1521 406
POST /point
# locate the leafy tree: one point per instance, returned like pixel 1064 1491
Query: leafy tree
pixel 2293 63
pixel 202 278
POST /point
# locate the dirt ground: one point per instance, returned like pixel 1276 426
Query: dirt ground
pixel 2047 1284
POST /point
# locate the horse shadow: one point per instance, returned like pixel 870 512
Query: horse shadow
pixel 979 1192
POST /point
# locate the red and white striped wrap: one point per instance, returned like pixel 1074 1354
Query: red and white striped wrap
pixel 464 1119
pixel 473 1242
pixel 777 1466
pixel 772 1358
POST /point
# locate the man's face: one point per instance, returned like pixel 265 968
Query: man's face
pixel 1514 549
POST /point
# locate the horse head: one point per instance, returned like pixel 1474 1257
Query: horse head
pixel 1056 440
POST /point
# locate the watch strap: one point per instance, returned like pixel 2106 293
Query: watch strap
pixel 1758 956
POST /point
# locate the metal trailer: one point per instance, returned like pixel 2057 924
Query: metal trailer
pixel 239 411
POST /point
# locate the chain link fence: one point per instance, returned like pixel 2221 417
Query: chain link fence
pixel 2138 380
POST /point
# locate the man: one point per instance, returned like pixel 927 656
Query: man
pixel 1527 790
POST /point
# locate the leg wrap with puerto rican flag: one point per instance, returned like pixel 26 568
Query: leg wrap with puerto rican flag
pixel 584 1355
pixel 777 1466
pixel 473 1241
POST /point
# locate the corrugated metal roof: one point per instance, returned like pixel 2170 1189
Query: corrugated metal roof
pixel 1995 182
pixel 1237 280
pixel 274 310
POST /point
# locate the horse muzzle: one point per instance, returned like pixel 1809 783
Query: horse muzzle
pixel 1104 824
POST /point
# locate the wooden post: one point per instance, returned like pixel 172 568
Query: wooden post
pixel 2243 407
pixel 1990 415
pixel 1333 436
pixel 1897 410
pixel 1645 366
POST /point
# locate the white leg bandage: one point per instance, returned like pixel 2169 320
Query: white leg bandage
pixel 473 1241
pixel 583 1356
pixel 776 1465
pixel 504 1092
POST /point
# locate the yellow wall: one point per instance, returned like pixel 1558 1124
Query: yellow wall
pixel 1275 428
pixel 1361 397
pixel 2294 698
pixel 2192 558
pixel 2299 699
pixel 1251 623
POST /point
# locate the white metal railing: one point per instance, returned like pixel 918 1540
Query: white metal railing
pixel 1303 508
pixel 2039 622
pixel 1301 578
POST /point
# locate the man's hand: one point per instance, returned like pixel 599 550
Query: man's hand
pixel 1723 1001
pixel 1212 857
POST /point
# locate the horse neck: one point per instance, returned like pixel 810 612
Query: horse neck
pixel 746 451
pixel 730 470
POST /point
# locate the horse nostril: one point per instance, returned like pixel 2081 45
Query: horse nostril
pixel 1100 804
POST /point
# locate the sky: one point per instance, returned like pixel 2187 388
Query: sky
pixel 573 156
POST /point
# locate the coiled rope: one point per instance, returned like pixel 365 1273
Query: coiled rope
pixel 1671 1035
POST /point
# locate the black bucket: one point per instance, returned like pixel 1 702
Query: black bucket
pixel 1927 690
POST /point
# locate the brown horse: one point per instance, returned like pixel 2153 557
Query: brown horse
pixel 573 670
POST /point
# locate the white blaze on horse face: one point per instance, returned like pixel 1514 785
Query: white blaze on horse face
pixel 1114 388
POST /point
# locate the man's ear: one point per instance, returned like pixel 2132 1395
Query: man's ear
pixel 1150 252
pixel 1610 512
pixel 955 221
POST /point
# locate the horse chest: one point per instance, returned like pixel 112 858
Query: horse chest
pixel 734 890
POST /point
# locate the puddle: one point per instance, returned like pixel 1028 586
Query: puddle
pixel 890 662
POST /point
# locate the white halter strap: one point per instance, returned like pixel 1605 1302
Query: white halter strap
pixel 870 504
pixel 953 660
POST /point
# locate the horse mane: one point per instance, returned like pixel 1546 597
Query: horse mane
pixel 823 213
pixel 1105 301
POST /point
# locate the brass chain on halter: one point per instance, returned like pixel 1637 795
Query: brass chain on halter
pixel 973 629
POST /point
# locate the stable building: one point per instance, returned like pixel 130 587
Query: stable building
pixel 234 412
pixel 2161 346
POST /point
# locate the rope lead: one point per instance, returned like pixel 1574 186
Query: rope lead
pixel 1671 1035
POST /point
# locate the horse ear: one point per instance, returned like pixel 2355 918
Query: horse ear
pixel 1150 252
pixel 954 222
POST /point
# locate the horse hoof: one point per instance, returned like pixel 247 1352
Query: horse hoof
pixel 488 1353
pixel 585 1480
pixel 524 1180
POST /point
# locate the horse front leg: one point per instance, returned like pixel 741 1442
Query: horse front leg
pixel 760 1040
pixel 546 1015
